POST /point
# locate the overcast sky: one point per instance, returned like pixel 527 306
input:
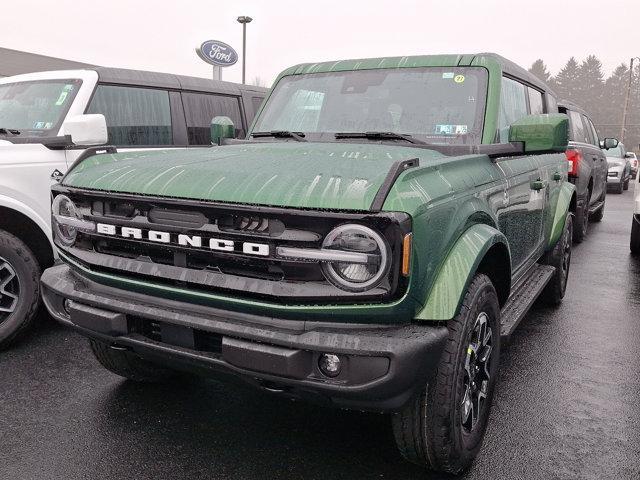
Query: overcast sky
pixel 162 35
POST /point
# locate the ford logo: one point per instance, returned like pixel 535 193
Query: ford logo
pixel 217 53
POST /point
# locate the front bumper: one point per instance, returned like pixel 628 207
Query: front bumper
pixel 383 365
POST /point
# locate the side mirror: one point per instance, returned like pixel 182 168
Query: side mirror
pixel 90 129
pixel 221 128
pixel 609 143
pixel 628 155
pixel 541 133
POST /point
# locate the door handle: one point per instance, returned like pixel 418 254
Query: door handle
pixel 538 184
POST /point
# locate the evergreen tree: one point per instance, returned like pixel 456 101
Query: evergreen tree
pixel 613 102
pixel 565 82
pixel 589 88
pixel 539 69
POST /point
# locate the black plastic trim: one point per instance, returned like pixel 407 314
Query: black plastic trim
pixel 394 172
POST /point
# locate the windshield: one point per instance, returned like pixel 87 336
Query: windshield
pixel 433 104
pixel 36 107
pixel 614 152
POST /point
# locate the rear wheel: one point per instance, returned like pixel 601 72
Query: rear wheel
pixel 443 427
pixel 619 187
pixel 582 221
pixel 560 258
pixel 129 365
pixel 635 237
pixel 19 288
pixel 599 214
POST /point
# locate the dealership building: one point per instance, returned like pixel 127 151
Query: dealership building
pixel 15 62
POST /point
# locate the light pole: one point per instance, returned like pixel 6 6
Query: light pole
pixel 244 20
pixel 626 100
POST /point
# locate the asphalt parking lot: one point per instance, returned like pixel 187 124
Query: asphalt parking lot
pixel 567 405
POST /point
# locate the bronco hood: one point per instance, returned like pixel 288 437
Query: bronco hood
pixel 303 175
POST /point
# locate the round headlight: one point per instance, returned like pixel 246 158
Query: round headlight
pixel 64 214
pixel 369 270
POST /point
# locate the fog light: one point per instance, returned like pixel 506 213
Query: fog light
pixel 329 364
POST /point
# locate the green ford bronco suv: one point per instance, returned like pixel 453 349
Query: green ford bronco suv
pixel 384 226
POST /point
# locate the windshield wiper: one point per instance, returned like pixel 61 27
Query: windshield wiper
pixel 380 136
pixel 297 136
pixel 9 131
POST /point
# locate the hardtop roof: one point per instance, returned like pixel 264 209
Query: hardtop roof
pixel 123 76
pixel 449 60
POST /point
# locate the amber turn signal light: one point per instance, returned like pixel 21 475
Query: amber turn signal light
pixel 406 254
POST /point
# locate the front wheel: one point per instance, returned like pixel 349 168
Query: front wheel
pixel 19 288
pixel 443 427
pixel 560 258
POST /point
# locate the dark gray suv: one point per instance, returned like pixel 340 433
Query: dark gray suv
pixel 587 168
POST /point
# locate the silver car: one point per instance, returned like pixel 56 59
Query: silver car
pixel 619 173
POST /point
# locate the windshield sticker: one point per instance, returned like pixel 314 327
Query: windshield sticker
pixel 48 125
pixel 68 87
pixel 447 75
pixel 61 98
pixel 38 125
pixel 451 129
pixel 458 79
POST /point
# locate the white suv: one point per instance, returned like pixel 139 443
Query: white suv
pixel 48 120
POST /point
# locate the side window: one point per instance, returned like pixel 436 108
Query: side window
pixel 535 101
pixel 200 108
pixel 513 106
pixel 578 132
pixel 135 116
pixel 594 133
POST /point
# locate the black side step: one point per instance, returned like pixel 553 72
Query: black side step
pixel 595 207
pixel 523 297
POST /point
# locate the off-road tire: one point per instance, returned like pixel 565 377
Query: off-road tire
pixel 27 271
pixel 598 215
pixel 129 365
pixel 581 226
pixel 557 286
pixel 634 244
pixel 429 430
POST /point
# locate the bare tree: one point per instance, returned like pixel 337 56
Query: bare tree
pixel 258 82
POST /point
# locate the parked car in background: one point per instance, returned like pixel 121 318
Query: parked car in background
pixel 619 173
pixel 587 168
pixel 633 159
pixel 50 120
pixel 386 224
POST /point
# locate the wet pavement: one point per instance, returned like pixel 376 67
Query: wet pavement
pixel 567 405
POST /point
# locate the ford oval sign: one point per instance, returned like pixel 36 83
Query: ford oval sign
pixel 217 53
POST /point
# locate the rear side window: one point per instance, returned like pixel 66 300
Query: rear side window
pixel 535 101
pixel 552 103
pixel 513 106
pixel 594 132
pixel 578 131
pixel 135 116
pixel 200 108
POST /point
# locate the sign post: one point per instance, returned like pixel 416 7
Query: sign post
pixel 218 54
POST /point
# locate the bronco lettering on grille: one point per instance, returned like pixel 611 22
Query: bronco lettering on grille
pixel 196 241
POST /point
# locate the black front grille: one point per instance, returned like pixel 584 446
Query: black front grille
pixel 285 281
